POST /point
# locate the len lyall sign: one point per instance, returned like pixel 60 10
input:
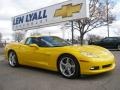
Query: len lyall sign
pixel 65 11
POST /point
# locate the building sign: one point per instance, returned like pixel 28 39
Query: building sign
pixel 66 11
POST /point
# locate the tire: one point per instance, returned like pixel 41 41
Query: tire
pixel 68 67
pixel 12 59
pixel 118 47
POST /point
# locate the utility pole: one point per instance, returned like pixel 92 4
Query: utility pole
pixel 107 19
pixel 72 32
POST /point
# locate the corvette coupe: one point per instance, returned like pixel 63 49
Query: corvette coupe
pixel 56 54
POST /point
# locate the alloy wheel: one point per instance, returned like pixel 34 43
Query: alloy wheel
pixel 12 59
pixel 67 66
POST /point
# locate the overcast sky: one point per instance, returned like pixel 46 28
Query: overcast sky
pixel 10 8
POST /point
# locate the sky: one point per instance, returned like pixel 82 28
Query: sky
pixel 11 8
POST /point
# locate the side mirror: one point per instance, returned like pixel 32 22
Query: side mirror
pixel 34 45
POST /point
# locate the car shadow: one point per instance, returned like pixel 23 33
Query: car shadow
pixel 39 70
pixel 56 74
pixel 97 76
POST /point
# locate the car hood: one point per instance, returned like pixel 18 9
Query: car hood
pixel 97 50
pixel 90 48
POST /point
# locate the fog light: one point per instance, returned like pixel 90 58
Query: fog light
pixel 94 68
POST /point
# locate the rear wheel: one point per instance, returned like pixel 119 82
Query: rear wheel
pixel 12 58
pixel 68 66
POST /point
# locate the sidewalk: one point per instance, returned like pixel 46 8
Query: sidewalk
pixel 2 57
pixel 1 50
pixel 1 54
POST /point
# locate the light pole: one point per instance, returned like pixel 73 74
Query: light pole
pixel 107 19
pixel 72 30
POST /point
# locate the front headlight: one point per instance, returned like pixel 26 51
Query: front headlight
pixel 89 54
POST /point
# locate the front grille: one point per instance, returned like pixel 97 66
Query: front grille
pixel 106 66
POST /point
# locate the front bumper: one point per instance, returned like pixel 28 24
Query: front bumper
pixel 96 67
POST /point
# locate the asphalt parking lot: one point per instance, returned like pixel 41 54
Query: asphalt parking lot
pixel 27 78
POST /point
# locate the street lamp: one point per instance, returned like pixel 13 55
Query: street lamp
pixel 72 32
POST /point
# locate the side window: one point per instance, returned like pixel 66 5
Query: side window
pixel 105 39
pixel 40 42
pixel 28 41
pixel 108 39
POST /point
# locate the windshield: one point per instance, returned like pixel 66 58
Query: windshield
pixel 53 41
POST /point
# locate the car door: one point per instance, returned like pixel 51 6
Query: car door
pixel 108 43
pixel 43 55
pixel 34 56
pixel 115 43
pixel 27 53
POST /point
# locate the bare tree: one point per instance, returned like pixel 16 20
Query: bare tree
pixel 98 18
pixel 92 38
pixel 36 33
pixel 18 35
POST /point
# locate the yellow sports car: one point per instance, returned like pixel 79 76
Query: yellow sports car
pixel 53 53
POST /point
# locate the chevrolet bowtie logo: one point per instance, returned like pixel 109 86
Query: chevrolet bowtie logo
pixel 68 10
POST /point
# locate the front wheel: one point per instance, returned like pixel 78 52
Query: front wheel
pixel 68 67
pixel 13 60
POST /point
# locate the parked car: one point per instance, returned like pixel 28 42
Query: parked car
pixel 53 53
pixel 108 42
